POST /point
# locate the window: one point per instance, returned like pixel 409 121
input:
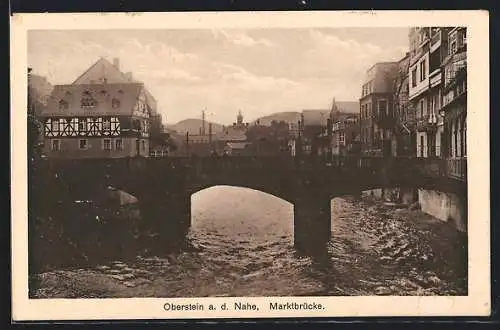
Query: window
pixel 421 105
pixel 464 139
pixel 55 127
pixel 106 126
pixel 63 105
pixel 115 103
pixel 83 144
pixel 56 145
pixel 414 78
pixel 136 125
pixel 82 126
pixel 143 145
pixel 382 108
pixel 115 126
pixel 423 73
pixel 118 144
pixel 342 138
pixel 87 101
pixel 106 144
pixel 421 146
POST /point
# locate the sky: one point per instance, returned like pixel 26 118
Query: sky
pixel 257 71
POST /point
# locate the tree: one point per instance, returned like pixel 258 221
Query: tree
pixel 34 125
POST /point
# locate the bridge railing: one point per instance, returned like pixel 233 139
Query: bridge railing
pixel 95 168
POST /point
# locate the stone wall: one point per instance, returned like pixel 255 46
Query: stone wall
pixel 447 207
pixel 444 206
pixel 405 196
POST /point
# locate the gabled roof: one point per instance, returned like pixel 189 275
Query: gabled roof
pixel 104 94
pixel 315 117
pixel 100 70
pixel 151 101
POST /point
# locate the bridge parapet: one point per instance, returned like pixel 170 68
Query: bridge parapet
pixel 175 171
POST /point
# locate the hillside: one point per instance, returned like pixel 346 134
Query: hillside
pixel 193 125
pixel 288 116
pixel 294 116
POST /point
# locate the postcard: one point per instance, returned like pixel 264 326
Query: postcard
pixel 250 165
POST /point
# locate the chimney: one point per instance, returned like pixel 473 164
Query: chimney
pixel 128 75
pixel 203 122
pixel 116 62
pixel 210 132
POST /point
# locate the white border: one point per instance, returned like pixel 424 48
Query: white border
pixel 477 303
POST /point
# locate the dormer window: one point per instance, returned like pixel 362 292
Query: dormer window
pixel 115 103
pixel 63 105
pixel 87 100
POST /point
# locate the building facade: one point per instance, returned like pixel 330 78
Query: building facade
pixel 233 139
pixel 404 138
pixel 428 47
pixel 454 102
pixel 345 136
pixel 377 118
pixel 103 114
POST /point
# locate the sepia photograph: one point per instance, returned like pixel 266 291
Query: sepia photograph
pixel 225 162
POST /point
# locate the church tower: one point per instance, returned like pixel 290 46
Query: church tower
pixel 239 119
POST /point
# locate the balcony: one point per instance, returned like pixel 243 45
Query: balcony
pixel 455 78
pixel 427 124
pixel 435 38
pixel 419 52
pixel 457 168
pixel 435 78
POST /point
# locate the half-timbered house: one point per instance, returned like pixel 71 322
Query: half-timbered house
pixel 100 117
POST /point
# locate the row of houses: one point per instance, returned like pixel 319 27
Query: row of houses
pixel 414 107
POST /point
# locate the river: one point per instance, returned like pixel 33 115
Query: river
pixel 244 241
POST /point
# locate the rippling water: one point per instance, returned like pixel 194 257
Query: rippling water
pixel 245 248
pixel 245 239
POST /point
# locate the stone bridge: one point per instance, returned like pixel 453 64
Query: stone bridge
pixel 164 186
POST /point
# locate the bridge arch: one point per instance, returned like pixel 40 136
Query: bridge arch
pixel 266 190
pixel 244 210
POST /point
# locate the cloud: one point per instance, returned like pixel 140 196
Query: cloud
pixel 241 39
pixel 257 71
pixel 240 77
